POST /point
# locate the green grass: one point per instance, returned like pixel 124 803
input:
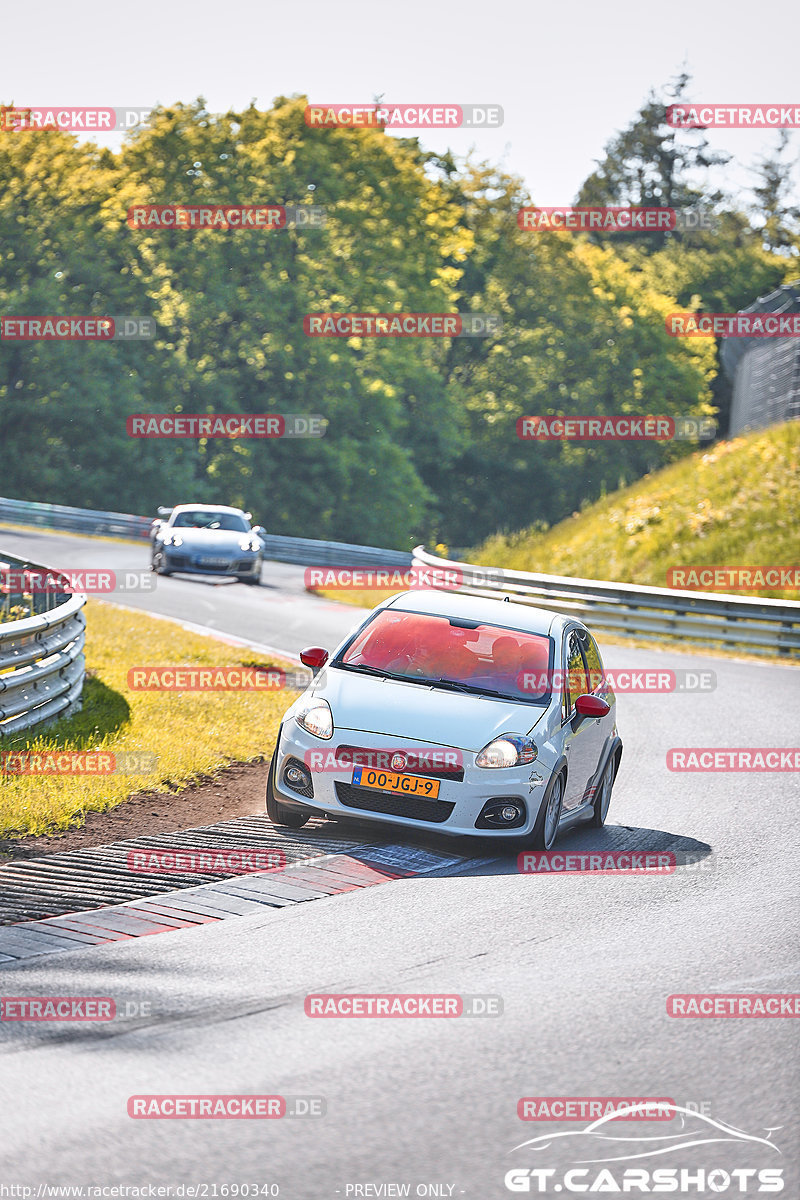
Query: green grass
pixel 194 734
pixel 736 503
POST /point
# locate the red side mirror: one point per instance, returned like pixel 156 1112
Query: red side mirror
pixel 315 658
pixel 591 706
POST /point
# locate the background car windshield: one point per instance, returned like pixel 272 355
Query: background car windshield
pixel 422 646
pixel 208 519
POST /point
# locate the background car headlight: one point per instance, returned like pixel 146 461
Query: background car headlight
pixel 510 750
pixel 317 718
pixel 249 543
pixel 173 539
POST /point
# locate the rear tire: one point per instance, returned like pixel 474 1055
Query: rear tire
pixel 281 814
pixel 545 831
pixel 603 797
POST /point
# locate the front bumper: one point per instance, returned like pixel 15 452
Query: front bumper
pixel 455 811
pixel 191 563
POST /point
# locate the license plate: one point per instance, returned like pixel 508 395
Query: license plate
pixel 391 781
pixel 213 562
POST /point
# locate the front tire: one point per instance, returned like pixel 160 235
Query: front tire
pixel 157 564
pixel 281 814
pixel 545 831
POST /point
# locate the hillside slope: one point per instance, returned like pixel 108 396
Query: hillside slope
pixel 737 503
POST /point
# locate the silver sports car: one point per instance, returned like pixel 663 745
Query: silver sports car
pixel 203 539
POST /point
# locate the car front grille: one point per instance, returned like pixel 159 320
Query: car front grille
pixel 355 756
pixel 435 811
pixel 178 560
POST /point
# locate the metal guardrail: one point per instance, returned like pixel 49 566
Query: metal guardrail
pixel 302 551
pixel 767 627
pixel 42 665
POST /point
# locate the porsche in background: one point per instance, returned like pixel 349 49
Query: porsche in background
pixel 200 539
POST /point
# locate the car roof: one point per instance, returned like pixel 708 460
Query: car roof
pixel 478 608
pixel 208 508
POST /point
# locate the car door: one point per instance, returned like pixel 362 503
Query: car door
pixel 583 737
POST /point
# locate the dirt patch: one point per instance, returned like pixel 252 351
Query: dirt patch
pixel 237 791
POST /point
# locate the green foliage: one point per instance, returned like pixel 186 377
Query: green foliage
pixel 421 442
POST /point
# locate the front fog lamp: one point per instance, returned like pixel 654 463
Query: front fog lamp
pixel 510 750
pixel 316 718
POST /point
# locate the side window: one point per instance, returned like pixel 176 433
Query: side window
pixel 594 662
pixel 576 683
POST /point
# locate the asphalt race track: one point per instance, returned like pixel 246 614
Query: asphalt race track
pixel 583 965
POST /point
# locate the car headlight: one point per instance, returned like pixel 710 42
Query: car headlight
pixel 510 750
pixel 316 717
pixel 248 543
pixel 173 539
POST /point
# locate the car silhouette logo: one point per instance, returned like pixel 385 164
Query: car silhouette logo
pixel 398 762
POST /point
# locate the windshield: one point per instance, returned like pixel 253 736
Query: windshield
pixel 437 649
pixel 208 518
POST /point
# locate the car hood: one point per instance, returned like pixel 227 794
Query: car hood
pixel 424 715
pixel 215 541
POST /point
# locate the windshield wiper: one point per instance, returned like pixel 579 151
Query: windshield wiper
pixel 364 669
pixel 453 686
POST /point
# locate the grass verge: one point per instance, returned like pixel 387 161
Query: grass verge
pixel 193 734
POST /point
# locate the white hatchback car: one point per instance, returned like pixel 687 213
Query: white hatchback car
pixel 475 716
